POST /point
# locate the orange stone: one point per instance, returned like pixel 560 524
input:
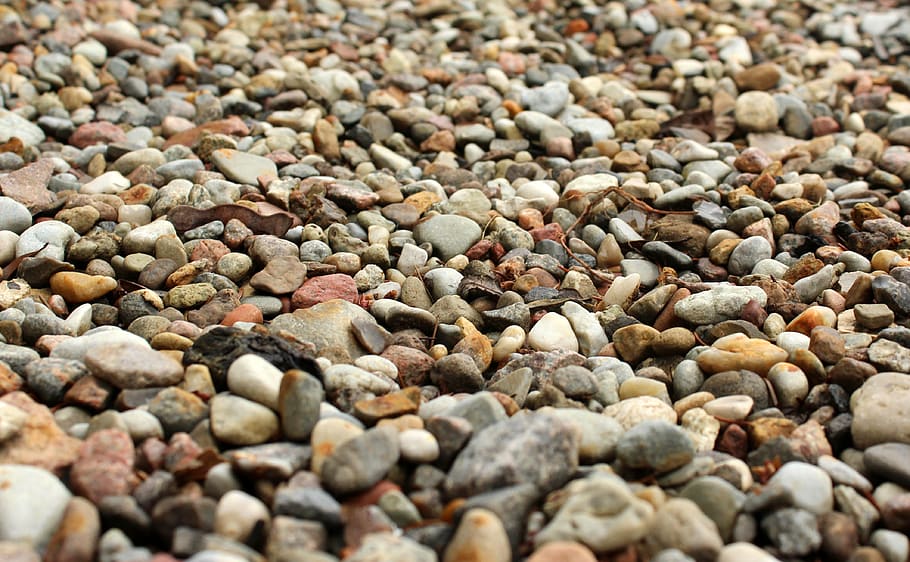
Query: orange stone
pixel 393 404
pixel 77 288
pixel 243 313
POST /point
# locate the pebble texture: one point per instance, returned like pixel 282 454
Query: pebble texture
pixel 334 280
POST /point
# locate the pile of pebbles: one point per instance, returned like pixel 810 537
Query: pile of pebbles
pixel 311 280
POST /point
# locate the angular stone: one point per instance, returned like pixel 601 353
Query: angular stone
pixel 532 448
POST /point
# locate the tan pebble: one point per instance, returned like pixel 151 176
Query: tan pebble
pixel 640 386
pixel 474 343
pixel 78 288
pixel 732 407
pixel 738 351
pixel 168 340
pixel 694 400
pixel 563 551
pixel 480 537
pixel 885 260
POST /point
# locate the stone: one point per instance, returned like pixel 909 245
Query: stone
pixel 40 442
pixel 243 167
pixel 738 351
pixel 533 448
pixel 238 421
pixel 480 536
pixel 34 502
pixel 105 466
pixel 756 111
pixel 680 524
pixel 801 485
pixel 553 331
pixel 77 288
pixel 28 185
pixel 387 546
pixel 880 410
pixel 361 461
pixel 299 397
pixel 718 304
pixel 254 378
pixel 884 461
pixel 718 499
pixel 633 411
pixel 129 366
pixel 655 446
pixel 600 512
pixel 77 535
pixel 239 515
pixel 449 235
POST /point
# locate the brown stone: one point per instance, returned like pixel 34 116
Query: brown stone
pixel 394 404
pixel 76 538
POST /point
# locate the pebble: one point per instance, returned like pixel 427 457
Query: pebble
pixel 553 331
pixel 450 292
pixel 882 396
pixel 34 504
pixel 131 366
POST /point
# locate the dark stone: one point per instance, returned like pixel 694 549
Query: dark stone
pixel 125 513
pixel 307 502
pixel 739 382
pixel 182 511
pixel 218 348
pixel 892 292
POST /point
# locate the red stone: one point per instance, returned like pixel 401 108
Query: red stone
pixel 551 231
pixel 233 125
pixel 243 313
pixel 734 441
pixel 479 250
pixel 209 249
pixel 413 365
pixel 104 466
pixel 325 288
pixel 96 132
pixel 824 125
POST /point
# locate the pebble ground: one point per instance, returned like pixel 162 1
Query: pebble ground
pixel 418 281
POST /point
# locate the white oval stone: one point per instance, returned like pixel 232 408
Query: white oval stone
pixel 256 379
pixel 552 332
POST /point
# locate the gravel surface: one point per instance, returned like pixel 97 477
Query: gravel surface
pixel 489 281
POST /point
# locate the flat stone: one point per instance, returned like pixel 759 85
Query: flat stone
pixel 449 235
pixel 888 461
pixel 738 351
pixel 600 512
pixel 718 304
pixel 129 366
pixel 243 167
